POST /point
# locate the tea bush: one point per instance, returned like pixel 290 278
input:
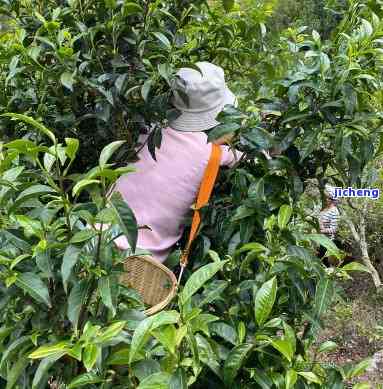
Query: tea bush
pixel 66 321
pixel 94 70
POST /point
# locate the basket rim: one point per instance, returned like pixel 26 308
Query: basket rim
pixel 162 304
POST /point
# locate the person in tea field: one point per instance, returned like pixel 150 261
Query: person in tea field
pixel 162 192
pixel 329 220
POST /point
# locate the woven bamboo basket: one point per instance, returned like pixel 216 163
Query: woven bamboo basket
pixel 155 282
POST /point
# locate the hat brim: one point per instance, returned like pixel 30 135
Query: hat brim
pixel 201 121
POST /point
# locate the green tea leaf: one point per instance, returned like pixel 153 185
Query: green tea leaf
pixel 264 300
pixel 32 122
pixel 235 360
pixel 69 261
pixel 90 355
pixel 285 347
pixel 72 147
pixel 131 8
pixel 290 336
pixel 259 137
pixel 355 266
pixel 105 289
pixel 327 346
pixel 76 301
pixel 111 332
pixel 126 219
pixel 34 286
pixel 310 377
pixel 142 333
pixel 199 278
pixel 85 379
pixel 214 293
pixel 360 368
pixel 83 236
pixel 291 378
pixel 33 191
pixel 15 372
pixel 262 379
pixel 82 184
pixel 67 80
pixel 155 381
pixel 284 216
pixel 167 337
pixel 50 350
pixel 323 296
pixel 108 151
pixel 41 374
pixel 225 331
pixel 324 241
pixel 145 89
pixel 163 39
pixel 228 5
pixel 241 331
pixel 119 358
pixel 221 130
pixel 146 368
pixel 178 380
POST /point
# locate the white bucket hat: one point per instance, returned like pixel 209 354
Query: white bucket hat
pixel 200 97
pixel 330 192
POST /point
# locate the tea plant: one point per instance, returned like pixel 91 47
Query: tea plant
pixel 66 320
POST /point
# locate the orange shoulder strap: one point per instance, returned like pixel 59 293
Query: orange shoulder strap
pixel 203 197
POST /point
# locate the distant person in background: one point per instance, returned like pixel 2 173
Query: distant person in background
pixel 328 221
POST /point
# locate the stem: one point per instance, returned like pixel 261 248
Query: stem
pixel 63 196
pixel 360 239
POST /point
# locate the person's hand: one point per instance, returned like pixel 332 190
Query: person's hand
pixel 266 154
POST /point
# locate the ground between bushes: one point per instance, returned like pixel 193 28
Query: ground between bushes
pixel 355 323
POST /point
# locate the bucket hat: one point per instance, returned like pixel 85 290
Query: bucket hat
pixel 330 193
pixel 200 96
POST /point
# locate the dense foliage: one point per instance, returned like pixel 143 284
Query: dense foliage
pixel 251 306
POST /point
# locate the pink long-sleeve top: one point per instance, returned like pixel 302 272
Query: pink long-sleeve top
pixel 161 192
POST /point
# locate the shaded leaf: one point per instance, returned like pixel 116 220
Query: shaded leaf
pixel 178 380
pixel 76 301
pixel 105 285
pixel 221 130
pixel 155 381
pixel 234 361
pixel 15 372
pixel 32 122
pixel 126 219
pixel 85 379
pixel 41 374
pixel 34 286
pixel 163 39
pixel 67 80
pixel 69 260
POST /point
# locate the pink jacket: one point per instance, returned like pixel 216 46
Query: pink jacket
pixel 161 192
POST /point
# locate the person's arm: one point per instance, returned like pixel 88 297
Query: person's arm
pixel 231 156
